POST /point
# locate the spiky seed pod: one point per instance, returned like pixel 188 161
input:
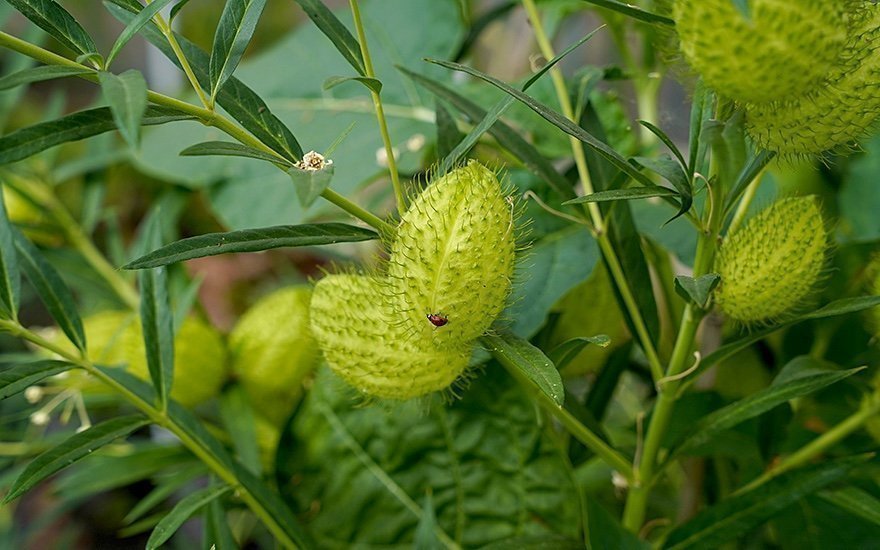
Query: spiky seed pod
pixel 770 266
pixel 363 341
pixel 782 48
pixel 272 349
pixel 115 338
pixel 452 261
pixel 836 114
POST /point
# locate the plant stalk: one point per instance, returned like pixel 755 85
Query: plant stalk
pixel 614 266
pixel 377 104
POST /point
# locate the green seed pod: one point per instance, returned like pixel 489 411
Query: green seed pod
pixel 835 114
pixel 363 341
pixel 115 338
pixel 770 266
pixel 779 49
pixel 452 260
pixel 272 351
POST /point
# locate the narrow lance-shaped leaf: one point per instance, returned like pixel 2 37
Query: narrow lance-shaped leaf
pixel 182 511
pixel 856 502
pixel 52 18
pixel 253 240
pixel 764 400
pixel 136 24
pixel 506 136
pixel 156 319
pixel 51 289
pixel 372 84
pixel 529 361
pixel 234 31
pixel 231 149
pixel 674 173
pixel 448 134
pixel 338 33
pixel 632 11
pixel 217 531
pixel 625 194
pixel 29 141
pixel 39 74
pixel 735 516
pixel 74 448
pixel 556 119
pixel 565 352
pixel 127 96
pixel 16 379
pixel 10 281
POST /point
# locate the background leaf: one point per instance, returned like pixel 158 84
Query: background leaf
pixel 182 511
pixel 336 31
pixel 39 74
pixel 10 281
pixel 51 17
pixel 18 378
pixel 127 96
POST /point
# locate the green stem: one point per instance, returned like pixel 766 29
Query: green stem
pixel 743 208
pixel 377 104
pixel 580 432
pixel 811 450
pixel 614 266
pixel 206 116
pixel 162 419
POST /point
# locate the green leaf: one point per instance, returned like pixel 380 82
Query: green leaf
pixel 632 11
pixel 176 9
pixel 52 18
pixel 253 240
pixel 29 141
pixel 674 173
pixel 338 34
pixel 667 141
pixel 606 533
pixel 697 290
pixel 231 149
pixel 238 419
pixel 785 388
pixel 39 74
pixel 563 354
pixel 127 96
pixel 426 532
pixel 182 511
pixel 737 515
pixel 855 501
pixel 756 164
pixel 51 289
pixel 10 281
pixel 625 194
pixel 74 448
pixel 448 134
pixel 529 361
pixel 373 84
pixel 16 379
pixel 840 307
pixel 310 183
pixel 165 488
pixel 506 136
pixel 499 108
pixel 136 24
pixel 156 319
pixel 238 100
pixel 218 534
pixel 541 542
pixel 556 119
pixel 234 31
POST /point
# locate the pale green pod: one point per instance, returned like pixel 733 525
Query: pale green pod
pixel 272 350
pixel 779 49
pixel 453 257
pixel 835 114
pixel 363 341
pixel 770 266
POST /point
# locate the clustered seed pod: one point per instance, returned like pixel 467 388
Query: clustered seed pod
pixel 272 350
pixel 770 266
pixel 116 338
pixel 773 50
pixel 411 330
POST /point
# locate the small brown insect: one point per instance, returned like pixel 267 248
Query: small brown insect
pixel 438 319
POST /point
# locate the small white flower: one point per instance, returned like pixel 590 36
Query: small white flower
pixel 40 418
pixel 34 394
pixel 313 162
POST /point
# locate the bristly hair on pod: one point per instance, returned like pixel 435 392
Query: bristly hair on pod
pixel 771 266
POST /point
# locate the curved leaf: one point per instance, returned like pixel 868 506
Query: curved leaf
pixel 632 11
pixel 182 511
pixel 372 84
pixel 230 149
pixel 76 447
pixel 51 289
pixel 136 24
pixel 39 74
pixel 52 18
pixel 29 141
pixel 624 195
pixel 528 360
pixel 127 96
pixel 563 354
pixel 234 31
pixel 10 281
pixel 253 240
pixel 16 379
pixel 338 33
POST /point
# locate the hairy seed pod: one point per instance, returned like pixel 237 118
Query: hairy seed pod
pixel 779 49
pixel 272 350
pixel 115 338
pixel 363 342
pixel 770 266
pixel 835 114
pixel 452 261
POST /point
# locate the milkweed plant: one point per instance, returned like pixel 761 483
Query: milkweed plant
pixel 427 274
